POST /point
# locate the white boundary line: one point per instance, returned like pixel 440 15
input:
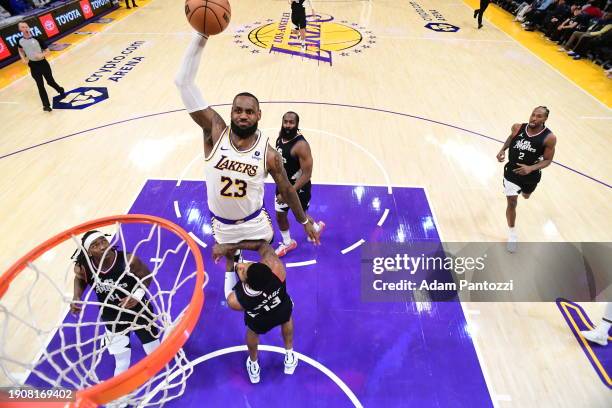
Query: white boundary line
pixel 382 219
pixel 177 210
pixel 467 313
pixel 364 150
pixel 350 248
pixel 349 393
pixel 304 263
pixel 196 239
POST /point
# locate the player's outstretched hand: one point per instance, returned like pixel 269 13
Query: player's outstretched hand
pixel 315 236
pixel 128 302
pixel 523 169
pixel 75 308
pixel 220 251
pixel 501 156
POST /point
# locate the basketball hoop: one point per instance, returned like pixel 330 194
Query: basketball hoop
pixel 70 349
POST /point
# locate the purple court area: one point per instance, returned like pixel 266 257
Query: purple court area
pixel 387 354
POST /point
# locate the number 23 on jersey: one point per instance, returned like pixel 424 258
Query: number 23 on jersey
pixel 234 188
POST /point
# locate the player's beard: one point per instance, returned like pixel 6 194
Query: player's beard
pixel 288 133
pixel 243 133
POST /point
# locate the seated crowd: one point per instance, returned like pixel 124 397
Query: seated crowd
pixel 583 28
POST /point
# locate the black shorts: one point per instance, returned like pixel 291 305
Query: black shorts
pixel 263 323
pixel 515 184
pixel 304 196
pixel 298 20
pixel 118 322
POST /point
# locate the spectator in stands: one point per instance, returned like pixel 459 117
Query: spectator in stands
pixel 591 9
pixel 593 44
pixel 581 38
pixel 554 19
pixel 537 13
pixel 577 22
pixel 558 12
pixel 127 4
pixel 33 52
pixel 522 10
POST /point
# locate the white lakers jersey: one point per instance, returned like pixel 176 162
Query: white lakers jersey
pixel 235 179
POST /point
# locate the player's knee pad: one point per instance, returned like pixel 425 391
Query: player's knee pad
pixel 117 343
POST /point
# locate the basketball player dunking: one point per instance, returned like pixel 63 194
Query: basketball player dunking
pixel 532 147
pixel 297 160
pixel 237 161
pixel 120 289
pixel 260 290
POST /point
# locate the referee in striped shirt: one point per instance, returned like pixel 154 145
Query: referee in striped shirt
pixel 33 52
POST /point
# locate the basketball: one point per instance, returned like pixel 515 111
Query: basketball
pixel 209 17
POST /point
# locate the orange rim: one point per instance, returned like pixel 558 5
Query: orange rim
pixel 146 368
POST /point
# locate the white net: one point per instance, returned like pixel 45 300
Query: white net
pixel 44 345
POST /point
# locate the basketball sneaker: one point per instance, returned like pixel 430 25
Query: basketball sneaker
pixel 283 248
pixel 321 225
pixel 291 361
pixel 253 370
pixel 593 336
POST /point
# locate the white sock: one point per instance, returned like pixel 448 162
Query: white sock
pixel 512 231
pixel 286 237
pixel 288 350
pixel 122 361
pixel 604 326
pixel 151 346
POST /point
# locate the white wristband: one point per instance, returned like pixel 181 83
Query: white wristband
pixel 230 281
pixel 138 294
pixel 305 222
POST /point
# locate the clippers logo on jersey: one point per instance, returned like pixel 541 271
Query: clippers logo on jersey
pixel 4 51
pixel 80 98
pixel 324 38
pixel 86 7
pixel 524 145
pixel 233 165
pixel 109 285
pixel 49 25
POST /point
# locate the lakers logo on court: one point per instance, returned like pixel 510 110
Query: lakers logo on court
pixel 325 37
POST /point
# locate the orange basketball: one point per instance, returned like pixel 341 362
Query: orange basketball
pixel 209 17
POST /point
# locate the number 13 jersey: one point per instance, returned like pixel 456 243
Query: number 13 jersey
pixel 235 179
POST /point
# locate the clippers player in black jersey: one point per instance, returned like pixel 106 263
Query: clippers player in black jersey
pixel 532 147
pixel 298 18
pixel 120 287
pixel 260 290
pixel 297 161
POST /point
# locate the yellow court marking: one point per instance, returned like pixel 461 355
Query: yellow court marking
pixel 583 73
pixel 602 370
pixel 17 69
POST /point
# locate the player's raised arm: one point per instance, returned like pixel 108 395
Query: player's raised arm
pixel 209 120
pixel 501 155
pixel 141 271
pixel 80 283
pixel 274 163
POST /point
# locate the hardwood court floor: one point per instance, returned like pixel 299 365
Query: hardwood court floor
pixel 405 105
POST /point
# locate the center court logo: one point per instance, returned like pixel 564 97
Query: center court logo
pixel 325 37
